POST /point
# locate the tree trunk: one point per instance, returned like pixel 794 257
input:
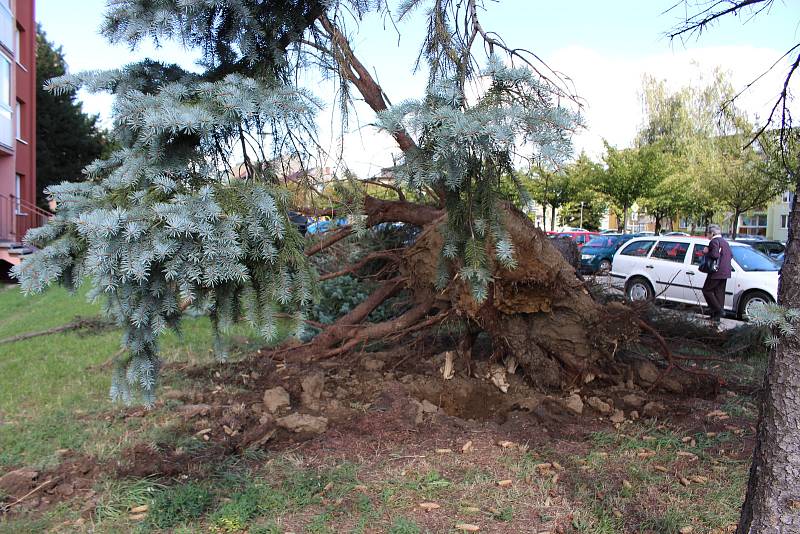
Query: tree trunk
pixel 658 225
pixel 772 503
pixel 625 220
pixel 544 217
pixel 552 218
pixel 735 224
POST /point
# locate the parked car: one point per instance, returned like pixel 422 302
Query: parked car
pixel 300 221
pixel 666 268
pixel 581 238
pixel 770 248
pixel 324 225
pixel 684 234
pixel 598 253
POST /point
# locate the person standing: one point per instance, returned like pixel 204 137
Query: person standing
pixel 714 286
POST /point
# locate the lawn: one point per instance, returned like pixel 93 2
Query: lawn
pixel 683 472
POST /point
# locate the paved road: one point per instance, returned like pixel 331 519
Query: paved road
pixel 616 288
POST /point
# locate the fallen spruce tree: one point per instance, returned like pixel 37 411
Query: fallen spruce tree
pixel 167 224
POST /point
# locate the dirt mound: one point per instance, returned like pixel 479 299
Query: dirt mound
pixel 30 489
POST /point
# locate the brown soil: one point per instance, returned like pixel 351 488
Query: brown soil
pixel 392 401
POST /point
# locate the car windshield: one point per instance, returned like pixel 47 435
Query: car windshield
pixel 750 259
pixel 603 241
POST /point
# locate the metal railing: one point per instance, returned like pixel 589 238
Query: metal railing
pixel 17 216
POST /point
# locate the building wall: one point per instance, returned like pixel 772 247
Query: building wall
pixel 17 116
pixel 778 218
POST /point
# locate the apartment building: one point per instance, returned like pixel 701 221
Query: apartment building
pixel 18 211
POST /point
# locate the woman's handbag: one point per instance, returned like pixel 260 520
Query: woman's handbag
pixel 708 264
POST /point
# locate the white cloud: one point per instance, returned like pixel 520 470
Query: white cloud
pixel 611 86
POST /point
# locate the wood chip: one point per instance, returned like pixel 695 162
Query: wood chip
pixel 684 481
pixel 558 466
pixel 507 444
pixel 228 430
pixel 467 527
pixel 504 483
pixel 687 439
pixel 360 487
pixel 467 447
pixel 444 451
pixel 543 467
pixel 686 530
pixel 137 517
pixel 626 484
pixel 139 509
pixel 699 479
pixel 203 432
pixel 428 506
pixel 660 468
pixel 687 455
pixel 471 510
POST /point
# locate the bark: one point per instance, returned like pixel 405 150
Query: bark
pixel 735 224
pixel 552 218
pixel 772 503
pixel 625 220
pixel 544 217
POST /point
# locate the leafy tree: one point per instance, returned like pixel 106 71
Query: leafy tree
pixel 669 199
pixel 741 179
pixel 629 175
pixel 586 207
pixel 162 226
pixel 67 139
pixel 550 188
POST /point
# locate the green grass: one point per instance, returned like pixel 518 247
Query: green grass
pixel 54 388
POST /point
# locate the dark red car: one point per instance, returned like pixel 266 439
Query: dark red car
pixel 580 238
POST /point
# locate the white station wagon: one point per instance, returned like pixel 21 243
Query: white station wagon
pixel 665 267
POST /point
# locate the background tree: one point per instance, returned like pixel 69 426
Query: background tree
pixel 773 488
pixel 741 179
pixel 586 207
pixel 669 199
pixel 550 188
pixel 629 175
pixel 67 139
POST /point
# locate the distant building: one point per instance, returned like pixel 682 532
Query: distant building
pixel 18 211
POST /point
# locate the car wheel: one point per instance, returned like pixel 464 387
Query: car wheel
pixel 750 302
pixel 638 289
pixel 605 266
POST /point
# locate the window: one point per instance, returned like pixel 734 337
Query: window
pixel 18 117
pixel 697 254
pixel 788 197
pixel 6 119
pixel 670 251
pixel 784 221
pixel 752 260
pixel 753 224
pixel 18 194
pixel 638 248
pixel 6 26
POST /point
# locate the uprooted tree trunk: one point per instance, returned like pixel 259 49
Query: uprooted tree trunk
pixel 539 313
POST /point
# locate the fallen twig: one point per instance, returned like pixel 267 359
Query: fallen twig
pixel 78 324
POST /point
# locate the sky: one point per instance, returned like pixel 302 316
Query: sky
pixel 604 47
